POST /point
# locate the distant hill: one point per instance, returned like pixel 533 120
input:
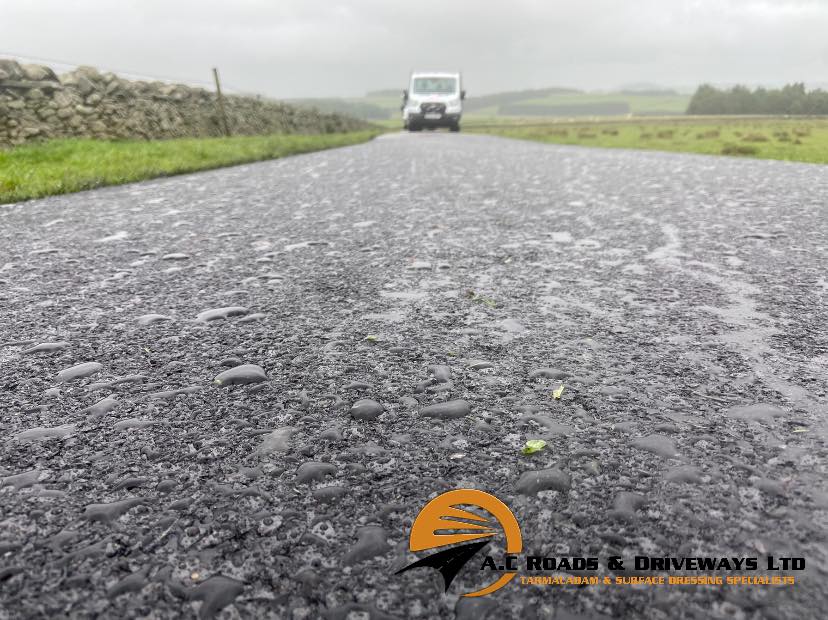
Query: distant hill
pixel 500 99
pixel 359 109
pixel 638 87
pixel 669 92
pixel 388 92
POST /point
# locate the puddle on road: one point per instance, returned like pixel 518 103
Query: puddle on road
pixel 404 295
pixel 118 236
pixel 750 330
pixel 304 244
pixel 669 252
pixel 386 317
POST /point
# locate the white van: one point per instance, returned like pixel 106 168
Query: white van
pixel 433 99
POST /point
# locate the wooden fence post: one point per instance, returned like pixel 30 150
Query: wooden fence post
pixel 222 111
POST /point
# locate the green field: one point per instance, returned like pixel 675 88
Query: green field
pixel 61 166
pixel 793 139
pixel 566 105
pixel 554 102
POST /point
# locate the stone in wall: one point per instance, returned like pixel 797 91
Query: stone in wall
pixel 36 104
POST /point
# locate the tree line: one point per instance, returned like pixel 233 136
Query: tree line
pixel 791 99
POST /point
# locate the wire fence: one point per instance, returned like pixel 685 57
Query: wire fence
pixel 63 66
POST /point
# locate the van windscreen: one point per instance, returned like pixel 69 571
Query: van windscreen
pixel 434 85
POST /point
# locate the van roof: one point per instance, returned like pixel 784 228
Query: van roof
pixel 415 74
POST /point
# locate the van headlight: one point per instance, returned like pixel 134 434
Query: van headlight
pixel 454 103
pixel 412 103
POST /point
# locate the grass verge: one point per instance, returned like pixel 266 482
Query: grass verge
pixel 786 138
pixel 61 166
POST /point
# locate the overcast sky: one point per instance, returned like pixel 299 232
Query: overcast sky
pixel 299 48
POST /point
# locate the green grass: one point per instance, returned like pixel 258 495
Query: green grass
pixel 639 104
pixel 61 166
pixel 792 139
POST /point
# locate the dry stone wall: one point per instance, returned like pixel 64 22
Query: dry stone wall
pixel 36 104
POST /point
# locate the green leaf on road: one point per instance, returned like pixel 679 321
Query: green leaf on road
pixel 532 446
pixel 557 393
pixel 481 299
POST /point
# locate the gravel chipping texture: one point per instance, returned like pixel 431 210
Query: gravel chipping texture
pixel 228 394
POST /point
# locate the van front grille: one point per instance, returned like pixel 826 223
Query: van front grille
pixel 432 108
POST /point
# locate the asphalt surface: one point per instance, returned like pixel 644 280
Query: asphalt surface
pixel 679 299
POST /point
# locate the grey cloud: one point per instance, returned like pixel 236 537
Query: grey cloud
pixel 292 48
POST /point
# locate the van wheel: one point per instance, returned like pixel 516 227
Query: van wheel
pixel 455 127
pixel 413 127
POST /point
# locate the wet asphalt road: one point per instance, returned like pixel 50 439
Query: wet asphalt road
pixel 679 299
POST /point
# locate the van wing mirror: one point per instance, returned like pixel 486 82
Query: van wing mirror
pixel 405 94
pixel 462 94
